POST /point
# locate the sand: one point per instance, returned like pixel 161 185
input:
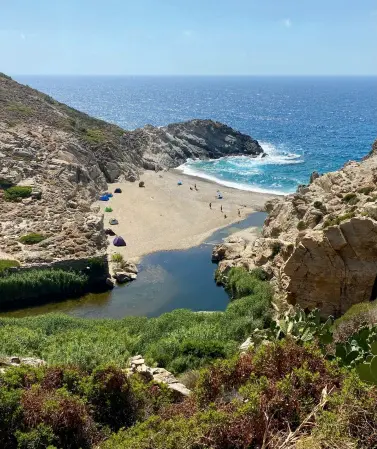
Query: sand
pixel 165 216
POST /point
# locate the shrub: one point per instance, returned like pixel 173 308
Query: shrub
pixel 332 221
pixel 93 135
pixel 16 193
pixel 7 263
pixel 276 247
pixel 365 190
pixel 356 317
pixel 301 225
pixel 32 238
pixel 318 204
pixel 350 198
pixel 117 258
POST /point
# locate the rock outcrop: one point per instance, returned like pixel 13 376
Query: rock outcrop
pixel 320 244
pixel 68 158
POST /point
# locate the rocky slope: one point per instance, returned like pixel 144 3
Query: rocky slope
pixel 68 158
pixel 319 244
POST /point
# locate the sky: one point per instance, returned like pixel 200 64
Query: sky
pixel 188 37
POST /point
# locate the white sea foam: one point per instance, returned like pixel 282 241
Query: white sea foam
pixel 245 165
pixel 235 185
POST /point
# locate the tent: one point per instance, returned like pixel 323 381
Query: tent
pixel 104 198
pixel 110 195
pixel 113 221
pixel 108 209
pixel 141 184
pixel 119 241
pixel 118 190
pixel 179 183
pixel 109 232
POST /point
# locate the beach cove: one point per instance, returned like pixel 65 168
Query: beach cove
pixel 166 216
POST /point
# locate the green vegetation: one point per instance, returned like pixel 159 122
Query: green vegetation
pixel 19 108
pixel 365 190
pixel 108 209
pixel 21 287
pixel 350 198
pixel 301 225
pixel 332 221
pixel 117 258
pixel 6 263
pixel 302 384
pixel 3 75
pixel 16 193
pixel 177 341
pixel 279 394
pixel 93 135
pixel 32 238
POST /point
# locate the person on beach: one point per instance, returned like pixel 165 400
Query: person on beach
pixel 210 205
pixel 221 208
pixel 239 213
pixel 225 216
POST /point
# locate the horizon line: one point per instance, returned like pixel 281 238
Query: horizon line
pixel 202 75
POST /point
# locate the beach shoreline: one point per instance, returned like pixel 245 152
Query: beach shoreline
pixel 165 216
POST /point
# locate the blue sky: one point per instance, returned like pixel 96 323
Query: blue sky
pixel 189 37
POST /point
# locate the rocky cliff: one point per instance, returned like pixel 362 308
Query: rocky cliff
pixel 68 158
pixel 319 244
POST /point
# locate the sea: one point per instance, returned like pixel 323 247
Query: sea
pixel 303 123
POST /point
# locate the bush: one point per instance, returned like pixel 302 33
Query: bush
pixel 365 190
pixel 93 135
pixel 32 238
pixel 7 263
pixel 117 258
pixel 332 221
pixel 35 284
pixel 356 317
pixel 3 75
pixel 350 198
pixel 16 193
pixel 301 225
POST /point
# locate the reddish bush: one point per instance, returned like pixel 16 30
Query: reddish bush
pixel 66 414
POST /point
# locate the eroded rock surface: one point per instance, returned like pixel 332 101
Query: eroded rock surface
pixel 320 244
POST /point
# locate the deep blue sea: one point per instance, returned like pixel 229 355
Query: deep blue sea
pixel 303 123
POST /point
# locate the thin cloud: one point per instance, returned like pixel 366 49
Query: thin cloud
pixel 22 36
pixel 287 23
pixel 187 33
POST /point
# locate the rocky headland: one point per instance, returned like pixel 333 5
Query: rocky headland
pixel 67 158
pixel 318 245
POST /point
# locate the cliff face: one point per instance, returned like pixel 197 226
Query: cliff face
pixel 320 244
pixel 68 157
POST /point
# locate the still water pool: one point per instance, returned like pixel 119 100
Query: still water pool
pixel 167 280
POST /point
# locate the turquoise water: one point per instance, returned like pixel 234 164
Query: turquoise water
pixel 303 123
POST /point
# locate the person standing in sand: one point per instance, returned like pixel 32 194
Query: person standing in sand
pixel 221 208
pixel 210 205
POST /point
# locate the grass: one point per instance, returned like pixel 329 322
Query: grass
pixel 171 340
pixel 19 288
pixel 117 258
pixel 16 193
pixel 19 108
pixel 32 238
pixel 6 263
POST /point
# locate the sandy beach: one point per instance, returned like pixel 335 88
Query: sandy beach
pixel 165 216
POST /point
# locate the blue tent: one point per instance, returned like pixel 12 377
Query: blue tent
pixel 119 241
pixel 104 198
pixel 179 183
pixel 110 195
